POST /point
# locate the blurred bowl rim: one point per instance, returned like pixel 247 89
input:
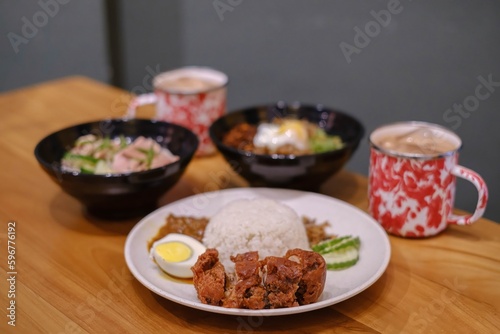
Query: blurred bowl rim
pixel 295 105
pixel 56 165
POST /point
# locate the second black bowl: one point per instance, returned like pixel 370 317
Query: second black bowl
pixel 305 172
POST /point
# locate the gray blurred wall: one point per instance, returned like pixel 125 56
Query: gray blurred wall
pixel 47 39
pixel 382 61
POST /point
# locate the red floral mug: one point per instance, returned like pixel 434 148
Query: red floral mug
pixel 190 96
pixel 412 179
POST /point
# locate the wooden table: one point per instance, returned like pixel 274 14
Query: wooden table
pixel 71 275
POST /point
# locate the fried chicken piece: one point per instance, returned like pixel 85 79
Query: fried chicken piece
pixel 296 279
pixel 248 291
pixel 281 279
pixel 230 300
pixel 209 278
pixel 313 278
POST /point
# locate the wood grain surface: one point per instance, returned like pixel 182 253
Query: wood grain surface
pixel 71 275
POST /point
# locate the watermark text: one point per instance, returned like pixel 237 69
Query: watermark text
pixel 11 273
pixel 31 26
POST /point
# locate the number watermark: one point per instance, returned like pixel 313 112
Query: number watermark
pixel 11 273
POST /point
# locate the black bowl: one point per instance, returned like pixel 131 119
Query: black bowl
pixel 306 172
pixel 118 196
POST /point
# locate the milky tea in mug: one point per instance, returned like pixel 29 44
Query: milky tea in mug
pixel 185 84
pixel 193 97
pixel 412 179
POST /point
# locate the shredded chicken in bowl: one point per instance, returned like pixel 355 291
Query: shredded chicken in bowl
pixel 96 155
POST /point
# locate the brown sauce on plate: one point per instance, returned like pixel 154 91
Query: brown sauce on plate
pixel 190 226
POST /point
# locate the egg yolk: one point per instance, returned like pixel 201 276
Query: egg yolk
pixel 293 128
pixel 174 251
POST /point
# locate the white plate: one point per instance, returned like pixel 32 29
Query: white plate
pixel 344 219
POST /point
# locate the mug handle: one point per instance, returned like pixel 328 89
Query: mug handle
pixel 140 100
pixel 482 198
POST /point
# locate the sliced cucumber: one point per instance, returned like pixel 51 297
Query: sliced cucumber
pixel 336 244
pixel 87 169
pixel 326 246
pixel 81 158
pixel 86 164
pixel 102 168
pixel 341 259
pixel 339 253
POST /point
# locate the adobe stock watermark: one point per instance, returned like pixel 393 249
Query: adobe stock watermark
pixel 363 37
pixel 223 6
pixel 104 298
pixel 120 105
pixel 249 324
pixel 421 319
pixel 30 27
pixel 207 194
pixel 458 112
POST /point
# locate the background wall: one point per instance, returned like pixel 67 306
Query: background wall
pixel 406 60
pixel 426 59
pixel 45 39
pixel 149 41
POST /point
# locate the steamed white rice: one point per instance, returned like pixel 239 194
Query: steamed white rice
pixel 260 224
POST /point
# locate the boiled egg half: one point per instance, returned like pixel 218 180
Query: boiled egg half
pixel 289 132
pixel 176 253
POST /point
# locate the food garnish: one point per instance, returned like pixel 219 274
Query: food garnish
pixel 339 253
